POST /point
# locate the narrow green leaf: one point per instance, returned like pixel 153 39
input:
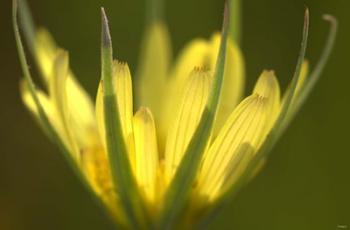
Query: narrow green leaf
pixel 281 123
pixel 122 175
pixel 27 24
pixel 236 21
pixel 213 100
pixel 29 31
pixel 271 139
pixel 43 119
pixel 316 73
pixel 177 193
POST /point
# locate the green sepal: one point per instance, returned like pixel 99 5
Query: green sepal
pixel 236 21
pixel 44 121
pixel 314 76
pixel 32 88
pixel 27 24
pixel 178 191
pixel 271 139
pixel 288 111
pixel 122 176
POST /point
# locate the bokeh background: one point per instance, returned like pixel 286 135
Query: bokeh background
pixel 305 184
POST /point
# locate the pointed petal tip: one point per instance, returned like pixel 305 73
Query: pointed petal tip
pixel 145 114
pixel 268 72
pixel 266 83
pixel 121 65
pixel 200 70
pixel 62 53
pixel 143 110
pixel 61 62
pixel 121 68
pixel 268 76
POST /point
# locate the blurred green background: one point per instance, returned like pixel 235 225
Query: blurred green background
pixel 305 184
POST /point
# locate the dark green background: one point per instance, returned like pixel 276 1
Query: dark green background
pixel 305 184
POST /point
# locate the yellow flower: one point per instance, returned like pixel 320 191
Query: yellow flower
pixel 189 140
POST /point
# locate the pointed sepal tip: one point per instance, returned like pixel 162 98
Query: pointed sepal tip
pixel 105 33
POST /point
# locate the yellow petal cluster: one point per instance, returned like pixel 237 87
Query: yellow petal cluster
pixel 157 131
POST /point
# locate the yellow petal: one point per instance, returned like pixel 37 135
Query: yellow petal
pixel 46 49
pixel 195 54
pixel 146 153
pixel 303 75
pixel 73 109
pixel 81 112
pixel 188 115
pixel 99 110
pixel 46 104
pixel 265 83
pixel 203 54
pixel 96 168
pixel 191 56
pixel 78 104
pixel 153 70
pixel 123 89
pixel 240 137
pixel 58 96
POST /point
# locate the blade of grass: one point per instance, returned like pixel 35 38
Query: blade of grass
pixel 122 175
pixel 176 195
pixel 271 139
pixel 43 119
